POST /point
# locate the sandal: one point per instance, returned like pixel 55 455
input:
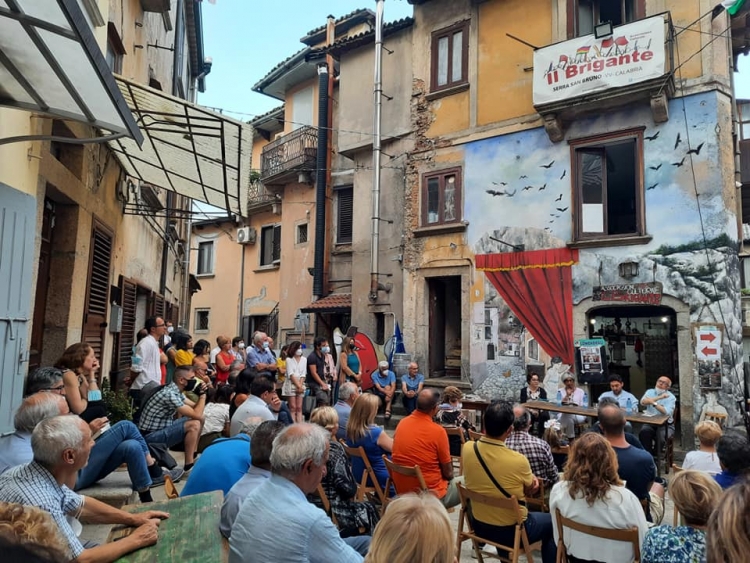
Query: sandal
pixel 387 415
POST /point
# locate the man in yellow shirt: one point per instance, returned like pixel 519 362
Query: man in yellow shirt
pixel 502 474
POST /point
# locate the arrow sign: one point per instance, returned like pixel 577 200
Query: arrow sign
pixel 708 344
pixel 706 351
pixel 709 336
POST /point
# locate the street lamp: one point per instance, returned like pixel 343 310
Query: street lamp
pixel 628 269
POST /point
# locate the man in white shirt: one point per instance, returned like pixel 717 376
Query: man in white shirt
pixel 147 350
pixel 263 402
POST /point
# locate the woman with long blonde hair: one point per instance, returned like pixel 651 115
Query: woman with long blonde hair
pixel 728 533
pixel 361 431
pixel 414 529
pixel 593 494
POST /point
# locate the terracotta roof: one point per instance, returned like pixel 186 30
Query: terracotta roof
pixel 334 303
pixel 359 15
pixel 297 57
pixel 365 37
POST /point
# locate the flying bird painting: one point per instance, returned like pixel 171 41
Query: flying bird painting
pixel 652 187
pixel 655 167
pixel 495 193
pixel 527 188
pixel 653 137
pixel 499 184
pixel 696 150
pixel 547 166
pixel 559 198
pixel 563 174
pixel 678 164
pixel 562 209
pixel 677 141
pixel 544 187
pixel 511 194
pixel 523 176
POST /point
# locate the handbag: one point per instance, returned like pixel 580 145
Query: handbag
pixel 492 477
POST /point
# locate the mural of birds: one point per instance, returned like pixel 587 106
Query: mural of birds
pixel 522 177
pixel 563 174
pixel 652 187
pixel 547 166
pixel 678 164
pixel 559 198
pixel 495 193
pixel 552 221
pixel 655 167
pixel 553 214
pixel 562 209
pixel 696 150
pixel 527 188
pixel 548 229
pixel 544 187
pixel 677 141
pixel 653 137
pixel 499 183
pixel 511 194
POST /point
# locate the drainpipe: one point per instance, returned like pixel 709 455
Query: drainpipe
pixel 241 305
pixel 376 153
pixel 320 182
pixel 165 247
pixel 185 305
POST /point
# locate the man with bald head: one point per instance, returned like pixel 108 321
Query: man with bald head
pixel 419 440
pixel 15 449
pixel 658 400
pixel 61 447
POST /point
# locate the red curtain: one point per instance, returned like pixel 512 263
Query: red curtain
pixel 538 287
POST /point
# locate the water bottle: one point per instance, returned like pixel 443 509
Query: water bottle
pixel 629 406
pixel 585 399
pixel 559 396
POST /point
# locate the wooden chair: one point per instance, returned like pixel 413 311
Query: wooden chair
pixel 624 535
pixel 539 500
pixel 520 539
pixel 676 518
pixel 169 488
pixel 368 475
pixel 475 435
pixel 326 504
pixel 411 472
pixel 458 461
pixel 717 417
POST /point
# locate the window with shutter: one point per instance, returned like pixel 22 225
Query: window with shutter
pixel 345 211
pixel 97 292
pixel 127 334
pixel 270 245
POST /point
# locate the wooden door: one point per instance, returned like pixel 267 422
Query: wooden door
pixel 97 290
pixel 437 327
pixel 42 286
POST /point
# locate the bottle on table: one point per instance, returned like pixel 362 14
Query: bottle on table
pixel 629 406
pixel 585 399
pixel 559 396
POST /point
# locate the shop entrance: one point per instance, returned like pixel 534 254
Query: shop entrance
pixel 445 326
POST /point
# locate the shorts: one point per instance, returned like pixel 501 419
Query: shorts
pixel 170 435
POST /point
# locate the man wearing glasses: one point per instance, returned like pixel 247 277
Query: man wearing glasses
pixel 658 401
pixel 147 350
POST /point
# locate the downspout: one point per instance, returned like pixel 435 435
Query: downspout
pixel 330 39
pixel 242 290
pixel 320 182
pixel 165 248
pixel 185 305
pixel 376 153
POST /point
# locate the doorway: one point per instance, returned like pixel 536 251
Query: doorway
pixel 444 326
pixel 42 286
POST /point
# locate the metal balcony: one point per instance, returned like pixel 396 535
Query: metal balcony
pixel 259 198
pixel 283 159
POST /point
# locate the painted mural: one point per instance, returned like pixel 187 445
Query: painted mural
pixel 518 192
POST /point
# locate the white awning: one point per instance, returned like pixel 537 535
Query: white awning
pixel 51 63
pixel 187 149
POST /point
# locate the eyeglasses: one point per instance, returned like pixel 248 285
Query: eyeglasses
pixel 663 382
pixel 58 388
pixel 160 326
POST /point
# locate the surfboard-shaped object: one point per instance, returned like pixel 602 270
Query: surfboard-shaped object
pixel 369 356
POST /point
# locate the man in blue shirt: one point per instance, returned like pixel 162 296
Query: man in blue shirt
pixel 734 456
pixel 411 385
pixel 348 393
pixel 658 401
pixel 384 386
pixel 279 505
pixel 617 393
pixel 259 355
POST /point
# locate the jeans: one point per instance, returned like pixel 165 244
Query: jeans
pixel 170 435
pixel 647 436
pixel 410 404
pixel 538 527
pixel 360 544
pixel 122 443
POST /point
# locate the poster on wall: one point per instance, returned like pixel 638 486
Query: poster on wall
pixel 708 352
pixel 569 69
pixel 591 360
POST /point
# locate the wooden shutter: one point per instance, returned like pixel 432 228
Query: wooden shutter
pixel 97 291
pixel 127 334
pixel 159 306
pixel 276 250
pixel 345 215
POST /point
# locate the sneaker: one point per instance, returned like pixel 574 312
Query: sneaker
pixel 188 467
pixel 176 474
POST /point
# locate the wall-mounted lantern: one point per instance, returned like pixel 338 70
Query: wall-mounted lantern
pixel 628 270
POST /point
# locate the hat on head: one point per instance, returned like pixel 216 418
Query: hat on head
pixel 567 376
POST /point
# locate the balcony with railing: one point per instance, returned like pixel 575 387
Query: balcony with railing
pixel 285 158
pixel 589 74
pixel 260 198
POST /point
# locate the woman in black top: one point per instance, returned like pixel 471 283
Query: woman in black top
pixel 535 392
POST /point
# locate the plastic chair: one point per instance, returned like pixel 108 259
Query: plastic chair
pixel 624 535
pixel 364 489
pixel 520 539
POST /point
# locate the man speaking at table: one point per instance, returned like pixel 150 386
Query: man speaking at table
pixel 61 447
pixel 658 401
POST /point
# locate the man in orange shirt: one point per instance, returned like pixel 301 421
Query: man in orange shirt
pixel 421 441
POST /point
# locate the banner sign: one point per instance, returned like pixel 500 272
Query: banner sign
pixel 634 53
pixel 646 293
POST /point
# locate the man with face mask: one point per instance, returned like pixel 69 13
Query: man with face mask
pixel 238 349
pixel 658 401
pixel 260 357
pixel 384 386
pixel 316 372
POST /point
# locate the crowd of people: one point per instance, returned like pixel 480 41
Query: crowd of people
pixel 274 433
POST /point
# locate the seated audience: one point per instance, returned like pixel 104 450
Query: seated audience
pixel 414 529
pixel 630 438
pixel 571 395
pixel 61 447
pixel 183 344
pixel 695 496
pixel 449 415
pixel 705 457
pixel 592 493
pixel 412 383
pixel 535 392
pixel 31 525
pixel 421 441
pixel 348 394
pixel 15 550
pixel 384 386
pixel 361 431
pixel 658 401
pixel 635 467
pixel 734 456
pixel 727 535
pixel 262 402
pixel 224 359
pixel 278 506
pixel 223 463
pixel 216 415
pixel 537 451
pixel 79 366
pixel 158 424
pixel 509 470
pixel 354 518
pixel 261 443
pixel 241 392
pixel 557 442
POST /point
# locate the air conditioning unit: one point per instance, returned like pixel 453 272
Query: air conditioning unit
pixel 247 235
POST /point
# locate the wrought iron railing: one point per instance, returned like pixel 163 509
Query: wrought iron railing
pixel 270 325
pixel 294 151
pixel 258 196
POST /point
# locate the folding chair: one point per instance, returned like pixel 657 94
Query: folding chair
pixel 676 518
pixel 475 435
pixel 520 539
pixel 539 499
pixel 717 417
pixel 169 488
pixel 457 459
pixel 326 504
pixel 624 535
pixel 365 489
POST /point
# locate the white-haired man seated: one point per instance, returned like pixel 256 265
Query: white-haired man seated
pixel 61 447
pixel 298 463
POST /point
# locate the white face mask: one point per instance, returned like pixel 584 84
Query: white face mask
pixel 170 329
pixel 241 345
pixel 298 352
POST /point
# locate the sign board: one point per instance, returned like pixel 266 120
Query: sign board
pixel 591 360
pixel 645 293
pixel 581 66
pixel 708 344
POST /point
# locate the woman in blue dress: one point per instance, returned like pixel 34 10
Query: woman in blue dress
pixel 361 431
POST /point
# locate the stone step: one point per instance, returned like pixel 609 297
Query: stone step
pixel 115 489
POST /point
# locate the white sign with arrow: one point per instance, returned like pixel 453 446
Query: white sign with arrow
pixel 708 344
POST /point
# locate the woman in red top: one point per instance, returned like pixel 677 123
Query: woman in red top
pixel 224 360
